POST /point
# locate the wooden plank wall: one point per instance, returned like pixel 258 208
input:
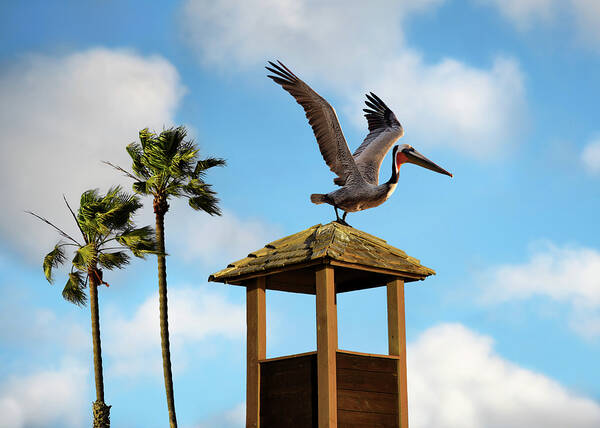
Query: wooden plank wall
pixel 367 391
pixel 288 392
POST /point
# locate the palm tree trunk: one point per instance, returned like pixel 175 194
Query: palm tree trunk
pixel 100 410
pixel 164 318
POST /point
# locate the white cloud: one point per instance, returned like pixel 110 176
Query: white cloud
pixel 215 241
pixel 232 418
pixel 22 325
pixel 195 315
pixel 45 398
pixel 569 274
pixel 583 15
pixel 564 274
pixel 354 47
pixel 467 105
pixel 525 12
pixel 62 116
pixel 591 157
pixel 455 380
pixel 587 15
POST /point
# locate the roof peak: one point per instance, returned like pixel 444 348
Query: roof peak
pixel 325 243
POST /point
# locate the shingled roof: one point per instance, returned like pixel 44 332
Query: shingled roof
pixel 331 243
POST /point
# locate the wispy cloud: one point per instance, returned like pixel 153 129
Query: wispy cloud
pixel 196 315
pixel 67 113
pixel 590 156
pixel 231 418
pixel 456 380
pixel 46 398
pixel 353 47
pixel 525 13
pixel 583 15
pixel 566 274
pixel 215 241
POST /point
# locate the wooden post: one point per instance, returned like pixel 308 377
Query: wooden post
pixel 326 347
pixel 397 343
pixel 256 347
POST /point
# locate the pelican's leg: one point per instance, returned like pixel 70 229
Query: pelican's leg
pixel 340 220
pixel 344 219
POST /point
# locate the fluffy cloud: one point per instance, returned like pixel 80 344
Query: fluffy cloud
pixel 456 380
pixel 564 274
pixel 569 274
pixel 524 12
pixel 202 237
pixel 232 418
pixel 61 117
pixel 195 315
pixel 585 14
pixel 355 47
pixel 45 398
pixel 591 157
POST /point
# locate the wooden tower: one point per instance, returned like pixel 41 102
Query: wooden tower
pixel 329 387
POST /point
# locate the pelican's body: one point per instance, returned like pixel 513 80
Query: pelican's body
pixel 358 173
pixel 360 197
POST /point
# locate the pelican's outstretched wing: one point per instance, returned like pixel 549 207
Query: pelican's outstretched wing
pixel 323 120
pixel 384 131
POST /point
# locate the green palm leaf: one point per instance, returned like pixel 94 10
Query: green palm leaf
pixel 85 256
pixel 53 259
pixel 113 260
pixel 140 241
pixel 203 165
pixel 74 290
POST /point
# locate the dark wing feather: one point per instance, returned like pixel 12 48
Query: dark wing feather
pixel 384 131
pixel 323 120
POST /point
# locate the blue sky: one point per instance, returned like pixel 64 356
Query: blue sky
pixel 501 93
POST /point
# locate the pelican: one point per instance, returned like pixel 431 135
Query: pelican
pixel 358 173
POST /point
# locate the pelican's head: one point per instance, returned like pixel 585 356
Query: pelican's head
pixel 407 154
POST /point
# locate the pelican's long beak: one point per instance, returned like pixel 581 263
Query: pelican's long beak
pixel 417 158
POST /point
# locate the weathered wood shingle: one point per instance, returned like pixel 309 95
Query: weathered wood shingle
pixel 327 243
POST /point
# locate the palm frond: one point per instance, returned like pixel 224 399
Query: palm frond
pixel 140 241
pixel 118 209
pixel 74 217
pixel 182 161
pixel 141 187
pixel 139 169
pixel 74 290
pixel 85 256
pixel 99 215
pixel 204 164
pixel 110 261
pixel 60 231
pixel 118 168
pixel 206 203
pixel 53 259
pixel 145 135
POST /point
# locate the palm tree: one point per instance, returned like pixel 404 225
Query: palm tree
pixel 165 166
pixel 108 232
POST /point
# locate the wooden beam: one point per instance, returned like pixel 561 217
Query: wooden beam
pixel 256 347
pixel 326 347
pixel 397 343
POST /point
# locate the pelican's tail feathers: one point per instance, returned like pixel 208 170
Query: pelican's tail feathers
pixel 319 198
